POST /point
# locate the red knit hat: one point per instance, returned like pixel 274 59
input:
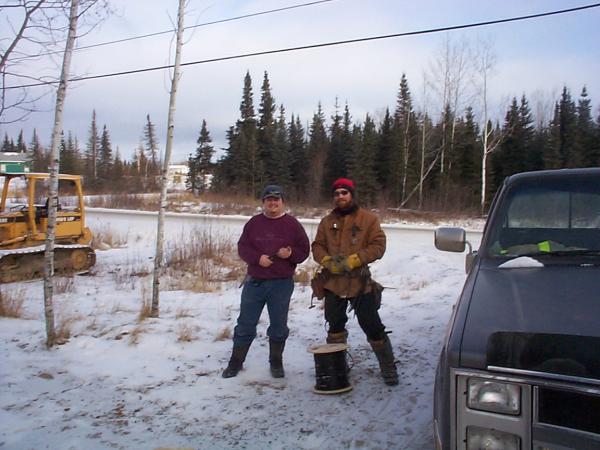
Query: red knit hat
pixel 343 183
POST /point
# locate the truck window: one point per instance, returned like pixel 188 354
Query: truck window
pixel 537 220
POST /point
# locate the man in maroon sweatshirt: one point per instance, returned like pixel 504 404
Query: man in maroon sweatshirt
pixel 272 244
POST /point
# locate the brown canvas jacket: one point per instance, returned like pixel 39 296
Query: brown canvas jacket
pixel 358 232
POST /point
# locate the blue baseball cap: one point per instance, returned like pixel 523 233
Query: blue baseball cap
pixel 272 190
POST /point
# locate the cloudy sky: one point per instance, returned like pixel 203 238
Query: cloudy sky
pixel 533 57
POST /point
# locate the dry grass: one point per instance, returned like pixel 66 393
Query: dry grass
pixel 223 335
pixel 186 333
pixel 234 203
pixel 182 313
pixel 127 274
pixel 63 331
pixel 11 303
pixel 107 238
pixel 63 285
pixel 93 324
pixel 201 261
pixel 135 335
pixel 146 306
pixel 125 201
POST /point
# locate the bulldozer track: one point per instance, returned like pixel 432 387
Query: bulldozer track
pixel 28 263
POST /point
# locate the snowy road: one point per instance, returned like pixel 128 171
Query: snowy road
pixel 181 223
pixel 120 383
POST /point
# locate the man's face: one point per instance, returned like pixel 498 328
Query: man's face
pixel 273 206
pixel 342 198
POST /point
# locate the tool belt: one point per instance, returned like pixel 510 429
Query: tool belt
pixel 318 284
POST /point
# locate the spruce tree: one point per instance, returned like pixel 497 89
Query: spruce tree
pixel 584 139
pixel 92 152
pixel 21 146
pixel 105 157
pixel 7 144
pixel 281 153
pixel 241 169
pixel 192 180
pixel 118 171
pixel 531 155
pixel 224 174
pixel 385 155
pixel 69 155
pixel 594 154
pixel 467 176
pixel 298 158
pixel 202 160
pixel 404 159
pixel 552 156
pixel 316 152
pixel 39 158
pixel 508 159
pixel 266 131
pixel 363 163
pixel 152 168
pixel 567 131
pixel 336 164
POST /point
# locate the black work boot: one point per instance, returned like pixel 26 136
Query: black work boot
pixel 385 356
pixel 276 358
pixel 236 362
pixel 341 337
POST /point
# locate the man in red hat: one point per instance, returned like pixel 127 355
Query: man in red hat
pixel 347 240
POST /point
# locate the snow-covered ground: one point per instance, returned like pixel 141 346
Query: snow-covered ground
pixel 120 383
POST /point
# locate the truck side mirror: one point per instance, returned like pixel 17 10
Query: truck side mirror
pixel 450 239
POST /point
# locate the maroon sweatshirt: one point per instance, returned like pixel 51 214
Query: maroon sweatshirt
pixel 265 236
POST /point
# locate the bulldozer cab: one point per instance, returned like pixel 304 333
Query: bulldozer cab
pixel 24 210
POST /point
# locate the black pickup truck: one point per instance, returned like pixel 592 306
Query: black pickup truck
pixel 520 364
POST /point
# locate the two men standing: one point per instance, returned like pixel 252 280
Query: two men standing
pixel 273 243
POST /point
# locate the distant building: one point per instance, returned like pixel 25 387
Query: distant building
pixel 14 162
pixel 177 176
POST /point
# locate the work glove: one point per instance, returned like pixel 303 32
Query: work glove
pixel 335 264
pixel 351 262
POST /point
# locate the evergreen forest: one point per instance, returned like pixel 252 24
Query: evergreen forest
pixel 406 158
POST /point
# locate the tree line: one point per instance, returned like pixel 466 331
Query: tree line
pixel 103 169
pixel 404 159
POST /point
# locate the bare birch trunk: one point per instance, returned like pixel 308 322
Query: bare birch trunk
pixel 422 168
pixel 486 61
pixel 54 167
pixel 158 258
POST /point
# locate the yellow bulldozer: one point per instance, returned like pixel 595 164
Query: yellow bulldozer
pixel 23 223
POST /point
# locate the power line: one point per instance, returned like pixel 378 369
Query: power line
pixel 158 33
pixel 327 44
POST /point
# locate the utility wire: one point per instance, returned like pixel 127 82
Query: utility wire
pixel 158 33
pixel 327 44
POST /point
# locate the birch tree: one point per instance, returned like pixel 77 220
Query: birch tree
pixel 485 65
pixel 54 166
pixel 74 16
pixel 448 77
pixel 158 258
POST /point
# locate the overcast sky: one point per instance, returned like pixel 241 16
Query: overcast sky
pixel 533 57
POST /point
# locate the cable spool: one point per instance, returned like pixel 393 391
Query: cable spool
pixel 331 368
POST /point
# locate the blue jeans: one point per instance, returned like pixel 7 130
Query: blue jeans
pixel 276 294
